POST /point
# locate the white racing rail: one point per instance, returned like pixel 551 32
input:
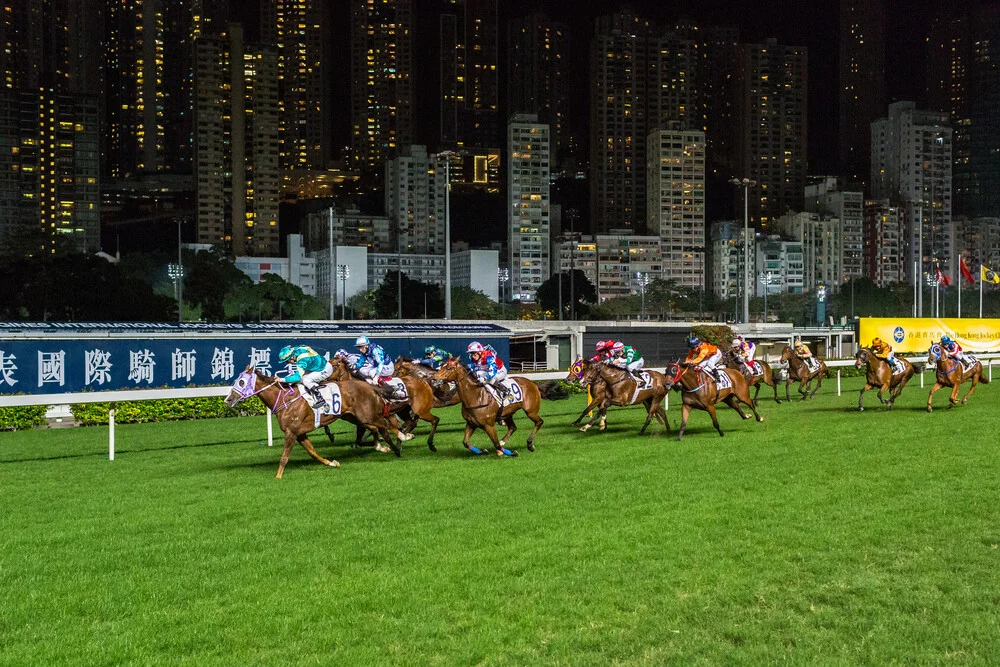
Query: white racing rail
pixel 113 397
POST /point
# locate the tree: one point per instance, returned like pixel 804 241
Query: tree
pixel 414 293
pixel 470 304
pixel 582 290
pixel 210 279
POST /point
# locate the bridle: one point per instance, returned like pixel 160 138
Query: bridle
pixel 248 390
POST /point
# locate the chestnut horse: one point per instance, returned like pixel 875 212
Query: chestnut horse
pixel 621 390
pixel 880 375
pixel 443 394
pixel 699 391
pixel 799 372
pixel 951 373
pixel 732 361
pixel 596 388
pixel 481 410
pixel 419 400
pixel 296 417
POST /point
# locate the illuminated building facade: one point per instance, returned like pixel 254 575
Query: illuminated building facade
pixel 414 200
pixel 528 146
pixel 862 81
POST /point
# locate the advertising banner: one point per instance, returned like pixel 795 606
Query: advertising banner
pixel 68 365
pixel 912 334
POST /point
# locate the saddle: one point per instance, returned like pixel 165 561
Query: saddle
pixel 898 367
pixel 513 393
pixel 968 361
pixel 333 401
pixel 812 364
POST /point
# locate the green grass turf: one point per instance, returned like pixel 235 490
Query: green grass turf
pixel 819 536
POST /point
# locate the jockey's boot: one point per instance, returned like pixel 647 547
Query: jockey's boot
pixel 502 390
pixel 748 373
pixel 637 376
pixel 318 401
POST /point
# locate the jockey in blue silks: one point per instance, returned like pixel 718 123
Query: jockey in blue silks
pixel 374 364
pixel 308 367
pixel 434 357
pixel 489 369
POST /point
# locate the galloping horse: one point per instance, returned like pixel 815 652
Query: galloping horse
pixel 621 389
pixel 597 387
pixel 880 375
pixel 296 418
pixel 481 410
pixel 699 391
pixel 951 373
pixel 799 372
pixel 443 396
pixel 419 400
pixel 731 361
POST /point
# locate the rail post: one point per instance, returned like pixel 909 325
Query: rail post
pixel 111 433
pixel 270 427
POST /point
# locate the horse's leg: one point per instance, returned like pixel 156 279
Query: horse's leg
pixel 883 389
pixel 329 433
pixel 305 442
pixel 662 414
pixel 649 414
pixel 685 411
pixel 804 388
pixel 434 420
pixel 289 443
pixel 756 392
pixel 715 418
pixel 955 389
pixel 511 427
pixel 732 402
pixel 972 389
pixel 930 396
pixel 819 383
pixel 597 415
pixel 742 394
pixel 491 431
pixel 861 407
pixel 531 406
pixel 470 428
pixel 788 383
pixel 590 407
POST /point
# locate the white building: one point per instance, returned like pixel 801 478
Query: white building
pixel 296 267
pixel 728 258
pixel 347 283
pixel 826 198
pixel 821 239
pixel 477 269
pixel 428 269
pixel 414 201
pixel 528 204
pixel 675 201
pixel 912 162
pixel 611 261
pixel 885 242
pixel 781 263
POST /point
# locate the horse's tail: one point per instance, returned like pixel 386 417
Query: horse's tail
pixel 983 377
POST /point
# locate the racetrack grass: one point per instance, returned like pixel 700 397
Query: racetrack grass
pixel 819 536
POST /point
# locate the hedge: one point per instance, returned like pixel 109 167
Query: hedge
pixel 139 412
pixel 22 418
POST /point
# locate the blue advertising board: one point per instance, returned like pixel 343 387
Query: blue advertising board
pixel 67 365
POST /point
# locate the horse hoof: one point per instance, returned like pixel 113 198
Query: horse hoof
pixel 759 419
pixel 382 448
pixel 431 447
pixel 333 464
pixel 531 446
pixel 930 409
pixel 503 443
pixel 583 429
pixel 860 409
pixel 964 401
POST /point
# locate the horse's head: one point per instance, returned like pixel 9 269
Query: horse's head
pixel 243 387
pixel 934 354
pixel 786 353
pixel 576 370
pixel 450 370
pixel 673 374
pixel 861 358
pixel 590 373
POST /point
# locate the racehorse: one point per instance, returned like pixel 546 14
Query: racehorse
pixel 879 374
pixel 296 417
pixel 951 373
pixel 799 372
pixel 443 395
pixel 419 400
pixel 597 386
pixel 621 389
pixel 700 391
pixel 732 361
pixel 481 410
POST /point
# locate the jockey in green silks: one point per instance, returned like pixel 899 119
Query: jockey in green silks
pixel 308 367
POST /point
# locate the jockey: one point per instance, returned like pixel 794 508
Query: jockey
pixel 803 353
pixel 307 367
pixel 605 350
pixel 434 357
pixel 952 349
pixel 489 369
pixel 373 365
pixel 744 351
pixel 883 351
pixel 627 357
pixel 703 356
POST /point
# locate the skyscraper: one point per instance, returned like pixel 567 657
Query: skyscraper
pixel 528 201
pixel 773 126
pixel 718 75
pixel 381 80
pixel 862 81
pixel 414 201
pixel 236 147
pixel 297 28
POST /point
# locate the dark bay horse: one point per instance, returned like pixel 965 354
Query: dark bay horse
pixel 296 417
pixel 951 373
pixel 480 409
pixel 731 360
pixel 879 374
pixel 445 393
pixel 419 400
pixel 596 387
pixel 621 389
pixel 699 391
pixel 799 372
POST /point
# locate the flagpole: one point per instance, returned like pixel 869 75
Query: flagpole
pixel 960 279
pixel 981 267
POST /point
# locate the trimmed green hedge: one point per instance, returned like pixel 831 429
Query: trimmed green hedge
pixel 19 419
pixel 139 412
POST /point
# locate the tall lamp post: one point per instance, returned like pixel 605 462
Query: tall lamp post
pixel 176 273
pixel 766 278
pixel 343 273
pixel 447 232
pixel 746 184
pixel 503 275
pixel 642 281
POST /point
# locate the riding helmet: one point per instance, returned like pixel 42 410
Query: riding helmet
pixel 285 355
pixel 475 346
pixel 362 341
pixel 694 341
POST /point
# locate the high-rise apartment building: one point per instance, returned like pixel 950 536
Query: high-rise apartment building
pixel 729 258
pixel 415 201
pixel 862 81
pixel 469 53
pixel 528 149
pixel 718 75
pixel 381 80
pixel 675 181
pixel 912 164
pixel 820 237
pixel 298 29
pixel 236 144
pixel 773 127
pixel 826 198
pixel 886 254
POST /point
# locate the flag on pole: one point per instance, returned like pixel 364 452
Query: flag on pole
pixel 966 274
pixel 940 277
pixel 989 275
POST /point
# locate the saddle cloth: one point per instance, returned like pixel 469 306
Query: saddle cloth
pixel 756 368
pixel 514 394
pixel 812 364
pixel 331 394
pixel 969 361
pixel 898 367
pixel 645 383
pixel 722 379
pixel 397 386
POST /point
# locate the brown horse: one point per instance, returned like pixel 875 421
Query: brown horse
pixel 951 373
pixel 880 375
pixel 597 386
pixel 296 417
pixel 621 389
pixel 699 391
pixel 799 372
pixel 445 393
pixel 419 400
pixel 480 409
pixel 731 360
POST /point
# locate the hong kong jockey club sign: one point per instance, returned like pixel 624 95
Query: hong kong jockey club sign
pixel 54 366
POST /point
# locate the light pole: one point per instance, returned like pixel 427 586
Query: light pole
pixel 399 267
pixel 343 272
pixel 180 280
pixel 176 273
pixel 932 283
pixel 746 184
pixel 642 281
pixel 503 275
pixel 766 277
pixel 447 232
pixel 333 259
